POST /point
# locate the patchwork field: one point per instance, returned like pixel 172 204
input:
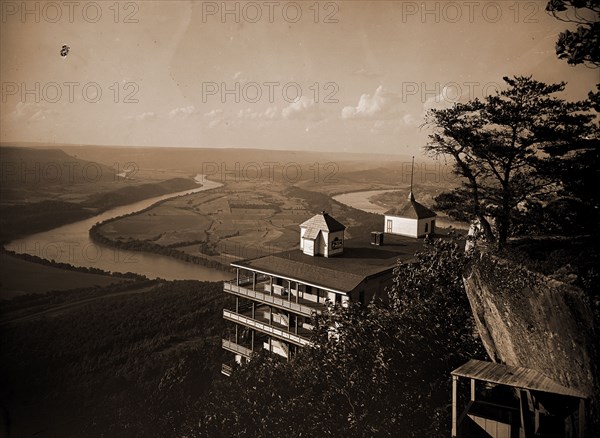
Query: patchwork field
pixel 236 221
pixel 247 219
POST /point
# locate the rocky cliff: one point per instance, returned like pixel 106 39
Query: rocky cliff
pixel 530 320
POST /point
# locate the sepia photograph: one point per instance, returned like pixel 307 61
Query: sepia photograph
pixel 309 218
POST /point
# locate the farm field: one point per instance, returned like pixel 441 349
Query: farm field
pixel 238 220
pixel 248 219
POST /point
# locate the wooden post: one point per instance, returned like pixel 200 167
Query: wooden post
pixel 581 433
pixel 271 285
pixel 296 329
pixel 454 401
pixel 252 340
pixel 472 389
pixel 253 310
pixel 289 291
pixel 253 280
pixel 236 333
pixel 237 276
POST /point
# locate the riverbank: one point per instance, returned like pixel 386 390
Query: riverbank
pixel 72 244
pixel 238 221
pixel 381 200
pixel 21 219
pixel 23 274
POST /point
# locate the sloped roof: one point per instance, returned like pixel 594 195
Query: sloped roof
pixel 412 210
pixel 322 222
pixel 311 233
pixel 299 269
pixel 343 273
pixel 517 377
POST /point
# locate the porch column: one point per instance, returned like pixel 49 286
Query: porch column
pixel 237 276
pixel 271 285
pixel 253 280
pixel 289 291
pixel 253 310
pixel 297 292
pixel 472 389
pixel 252 340
pixel 454 399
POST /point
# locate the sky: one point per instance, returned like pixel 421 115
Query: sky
pixel 346 76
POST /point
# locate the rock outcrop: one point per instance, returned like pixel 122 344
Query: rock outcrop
pixel 530 320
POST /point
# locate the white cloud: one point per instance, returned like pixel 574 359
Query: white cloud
pixel 366 73
pixel 411 120
pixel 213 113
pixel 182 111
pixel 31 111
pixel 447 97
pixel 303 108
pixel 247 113
pixel 271 112
pixel 383 104
pixel 144 116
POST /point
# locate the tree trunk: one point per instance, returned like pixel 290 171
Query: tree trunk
pixel 503 226
pixel 487 229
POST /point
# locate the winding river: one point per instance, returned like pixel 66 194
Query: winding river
pixel 360 200
pixel 71 244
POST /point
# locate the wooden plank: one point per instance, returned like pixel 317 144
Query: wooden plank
pixel 517 377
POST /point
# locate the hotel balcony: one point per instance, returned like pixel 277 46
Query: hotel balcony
pixel 236 348
pixel 226 369
pixel 274 295
pixel 300 336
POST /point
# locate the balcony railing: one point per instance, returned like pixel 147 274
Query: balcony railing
pixel 298 308
pixel 265 328
pixel 243 281
pixel 236 348
pixel 226 369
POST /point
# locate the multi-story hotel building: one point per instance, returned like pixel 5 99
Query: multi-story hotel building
pixel 274 297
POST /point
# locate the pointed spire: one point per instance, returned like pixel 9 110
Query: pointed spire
pixel 411 197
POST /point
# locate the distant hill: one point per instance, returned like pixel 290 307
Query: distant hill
pixel 32 181
pixel 24 166
pixel 126 195
pixel 194 159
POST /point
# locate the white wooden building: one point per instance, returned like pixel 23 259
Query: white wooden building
pixel 322 235
pixel 412 219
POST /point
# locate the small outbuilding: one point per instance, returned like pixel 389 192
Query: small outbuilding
pixel 322 235
pixel 411 219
